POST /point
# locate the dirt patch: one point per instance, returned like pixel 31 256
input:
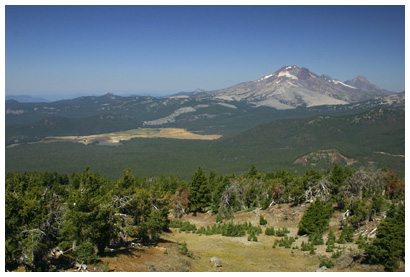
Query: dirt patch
pixel 162 258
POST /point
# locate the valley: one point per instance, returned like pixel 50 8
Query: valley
pixel 117 137
pixel 222 138
pixel 359 137
pixel 275 148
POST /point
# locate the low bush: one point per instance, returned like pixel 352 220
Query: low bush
pixel 262 220
pixel 270 231
pixel 282 232
pixel 337 254
pixel 324 261
pixel 284 242
pixel 184 226
pixel 183 250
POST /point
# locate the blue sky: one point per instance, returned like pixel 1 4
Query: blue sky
pixel 162 50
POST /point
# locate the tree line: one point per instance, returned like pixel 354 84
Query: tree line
pixel 84 214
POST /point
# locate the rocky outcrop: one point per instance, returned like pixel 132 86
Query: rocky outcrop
pixel 215 262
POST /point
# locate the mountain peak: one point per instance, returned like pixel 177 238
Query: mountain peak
pixel 198 90
pixel 362 83
pixel 361 78
pixel 288 68
pixel 326 76
pixel 285 71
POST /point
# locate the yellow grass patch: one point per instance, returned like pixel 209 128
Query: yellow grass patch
pixel 116 137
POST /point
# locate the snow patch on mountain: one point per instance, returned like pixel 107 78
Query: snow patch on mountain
pixel 265 77
pixel 287 74
pixel 338 82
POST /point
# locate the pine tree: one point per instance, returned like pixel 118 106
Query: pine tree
pixel 315 219
pixel 331 239
pixel 253 172
pixel 87 217
pixel 346 235
pixel 388 248
pixel 200 193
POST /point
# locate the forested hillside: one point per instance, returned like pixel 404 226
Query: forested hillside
pixel 54 220
pixel 373 137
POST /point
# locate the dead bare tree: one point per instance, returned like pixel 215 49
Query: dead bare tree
pixel 180 202
pixel 363 181
pixel 319 190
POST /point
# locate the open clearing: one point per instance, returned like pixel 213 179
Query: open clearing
pixel 237 254
pixel 117 137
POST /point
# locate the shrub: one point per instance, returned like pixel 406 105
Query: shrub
pixel 324 261
pixel 284 242
pixel 262 220
pixel 337 254
pixel 346 235
pixel 282 232
pixel 305 246
pixel 270 231
pixel 308 247
pixel 257 230
pixel 252 237
pixel 85 253
pixel 183 250
pixel 330 248
pixel 233 230
pixel 184 226
pixel 361 241
pixel 106 267
pixel 316 238
pixel 331 240
pixel 331 237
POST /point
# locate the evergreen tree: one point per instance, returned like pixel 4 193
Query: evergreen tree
pixel 200 193
pixel 126 184
pixel 316 218
pixel 253 172
pixel 331 237
pixel 87 217
pixel 217 192
pixel 388 248
pixel 346 235
pixel 338 177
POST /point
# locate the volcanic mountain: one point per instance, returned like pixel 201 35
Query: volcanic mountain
pixel 361 82
pixel 293 86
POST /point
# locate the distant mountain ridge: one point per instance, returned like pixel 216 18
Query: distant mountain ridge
pixel 294 86
pixel 361 82
pixel 26 99
pixel 287 88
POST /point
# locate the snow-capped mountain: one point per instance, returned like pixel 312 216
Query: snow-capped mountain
pixel 293 86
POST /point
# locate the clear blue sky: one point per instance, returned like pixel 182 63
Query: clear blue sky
pixel 167 49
